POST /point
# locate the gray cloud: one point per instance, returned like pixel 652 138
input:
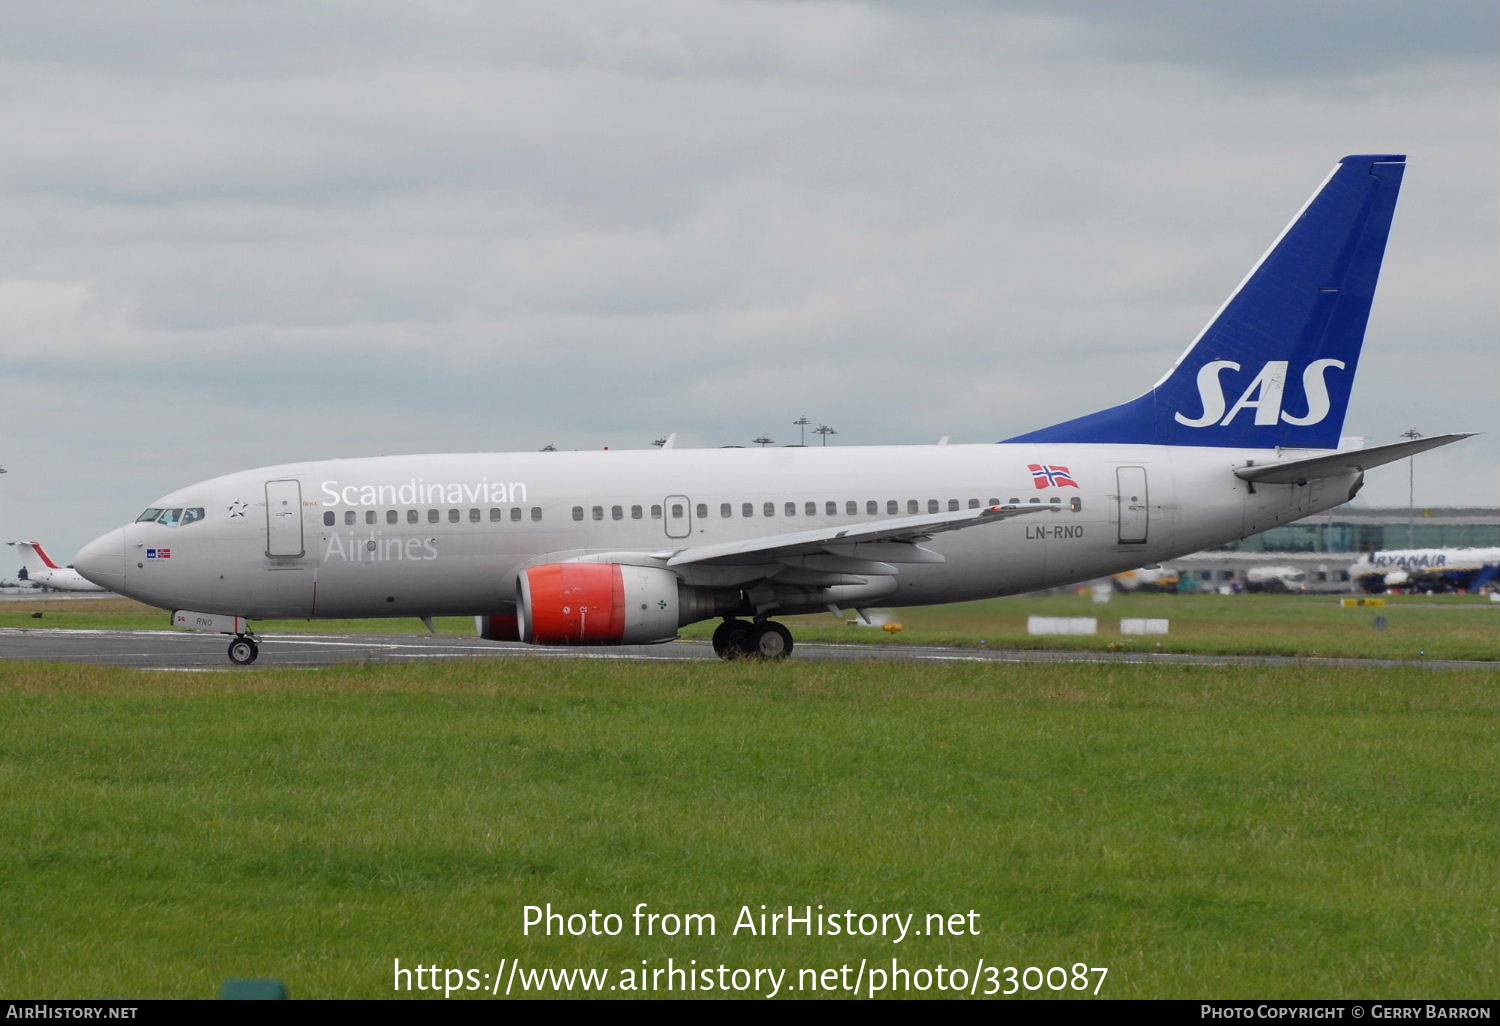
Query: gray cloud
pixel 239 235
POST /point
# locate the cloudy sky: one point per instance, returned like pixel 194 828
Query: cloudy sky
pixel 239 234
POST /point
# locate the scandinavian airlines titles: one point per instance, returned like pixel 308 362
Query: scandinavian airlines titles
pixel 416 490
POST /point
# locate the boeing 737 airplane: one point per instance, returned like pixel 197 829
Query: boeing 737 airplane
pixel 625 547
pixel 41 571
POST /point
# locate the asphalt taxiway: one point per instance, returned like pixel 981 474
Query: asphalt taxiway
pixel 182 650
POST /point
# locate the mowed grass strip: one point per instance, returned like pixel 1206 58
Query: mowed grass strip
pixel 1413 627
pixel 1201 832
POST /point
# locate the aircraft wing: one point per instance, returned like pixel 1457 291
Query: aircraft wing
pixel 887 541
pixel 1304 470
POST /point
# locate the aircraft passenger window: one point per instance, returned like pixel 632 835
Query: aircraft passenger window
pixel 598 512
pixel 811 509
pixel 993 502
pixel 791 509
pixel 617 512
pixel 1015 502
pixel 432 516
pixel 831 508
pixel 391 516
pixel 912 506
pixel 636 512
pixel 536 513
pixel 192 516
pixel 655 511
pixel 453 516
pixel 676 511
pixel 872 507
pixel 149 515
pixel 932 506
pixel 473 516
pixel 170 518
pixel 1054 500
pixel 495 514
pixel 577 512
pixel 973 503
pixel 411 516
pixel 952 505
pixel 747 510
pixel 726 510
pixel 702 510
pixel 328 519
pixel 369 516
pixel 891 507
pixel 770 509
pixel 851 507
pixel 348 518
pixel 515 514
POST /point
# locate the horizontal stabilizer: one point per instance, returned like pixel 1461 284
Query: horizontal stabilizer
pixel 1302 471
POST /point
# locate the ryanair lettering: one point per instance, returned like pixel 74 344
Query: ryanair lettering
pixel 419 492
pixel 1263 394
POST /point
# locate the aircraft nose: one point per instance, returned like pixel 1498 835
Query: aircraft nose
pixel 103 560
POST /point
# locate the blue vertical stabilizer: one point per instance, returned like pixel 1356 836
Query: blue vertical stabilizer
pixel 1276 364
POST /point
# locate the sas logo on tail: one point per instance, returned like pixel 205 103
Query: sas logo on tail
pixel 1051 475
pixel 1263 395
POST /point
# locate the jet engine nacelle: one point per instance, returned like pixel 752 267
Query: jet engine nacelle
pixel 598 604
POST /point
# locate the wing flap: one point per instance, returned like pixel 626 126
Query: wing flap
pixel 842 540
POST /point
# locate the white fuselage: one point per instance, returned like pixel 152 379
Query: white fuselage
pixel 446 534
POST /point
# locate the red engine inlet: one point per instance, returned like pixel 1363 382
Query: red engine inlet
pixel 597 604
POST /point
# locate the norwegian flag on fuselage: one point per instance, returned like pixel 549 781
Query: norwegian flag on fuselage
pixel 1045 475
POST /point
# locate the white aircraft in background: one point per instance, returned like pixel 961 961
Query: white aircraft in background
pixel 41 571
pixel 624 547
pixel 1437 570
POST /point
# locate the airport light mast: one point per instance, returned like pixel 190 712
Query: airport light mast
pixel 802 423
pixel 1411 490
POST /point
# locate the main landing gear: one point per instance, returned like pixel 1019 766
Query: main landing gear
pixel 761 639
pixel 243 650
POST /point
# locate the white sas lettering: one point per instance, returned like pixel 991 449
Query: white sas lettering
pixel 1264 394
pixel 1266 389
pixel 1316 390
pixel 1210 392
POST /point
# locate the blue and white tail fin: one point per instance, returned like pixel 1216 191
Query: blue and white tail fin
pixel 1275 365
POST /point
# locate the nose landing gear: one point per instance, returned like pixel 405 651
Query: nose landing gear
pixel 242 650
pixel 763 639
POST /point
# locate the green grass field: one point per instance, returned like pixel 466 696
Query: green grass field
pixel 1416 627
pixel 1200 832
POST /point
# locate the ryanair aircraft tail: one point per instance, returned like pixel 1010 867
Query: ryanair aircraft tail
pixel 1275 365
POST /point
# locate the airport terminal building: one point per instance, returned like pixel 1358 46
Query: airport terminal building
pixel 1325 546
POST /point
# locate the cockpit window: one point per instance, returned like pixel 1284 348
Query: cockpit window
pixel 179 517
